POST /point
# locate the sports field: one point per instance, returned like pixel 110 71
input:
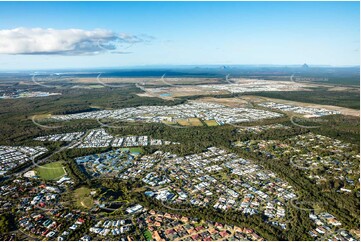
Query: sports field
pixel 195 122
pixel 183 122
pixel 134 150
pixel 211 122
pixel 51 171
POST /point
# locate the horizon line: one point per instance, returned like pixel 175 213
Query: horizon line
pixel 179 66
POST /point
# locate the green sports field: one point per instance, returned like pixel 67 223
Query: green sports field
pixel 51 171
pixel 133 150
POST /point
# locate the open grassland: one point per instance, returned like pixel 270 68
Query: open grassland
pixel 83 198
pixel 51 171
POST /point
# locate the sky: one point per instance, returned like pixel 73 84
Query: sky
pixel 51 35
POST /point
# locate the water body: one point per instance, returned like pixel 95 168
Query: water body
pixel 165 95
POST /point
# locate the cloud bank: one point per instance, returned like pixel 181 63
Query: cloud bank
pixel 39 41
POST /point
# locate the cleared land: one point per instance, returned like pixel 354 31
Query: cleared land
pixel 51 171
pixel 148 80
pixel 250 85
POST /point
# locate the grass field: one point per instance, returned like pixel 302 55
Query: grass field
pixel 195 122
pixel 83 198
pixel 135 150
pixel 42 116
pixel 169 122
pixel 148 235
pixel 183 122
pixel 211 122
pixel 51 171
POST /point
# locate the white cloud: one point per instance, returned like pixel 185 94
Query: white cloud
pixel 37 41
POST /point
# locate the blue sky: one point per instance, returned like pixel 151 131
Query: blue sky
pixel 177 33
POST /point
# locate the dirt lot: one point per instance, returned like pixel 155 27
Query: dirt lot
pixel 158 81
pixel 351 89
